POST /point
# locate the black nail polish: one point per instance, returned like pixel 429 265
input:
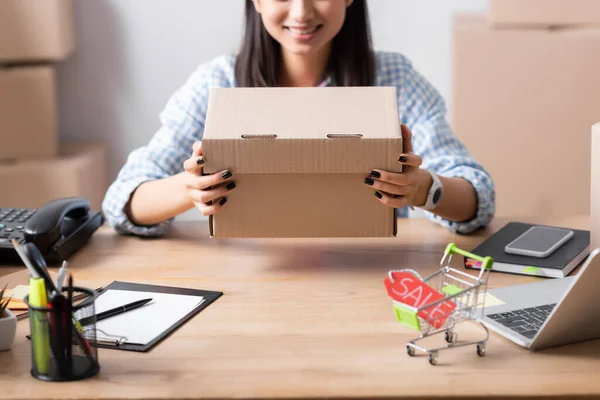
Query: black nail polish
pixel 223 201
pixel 378 195
pixel 369 181
pixel 200 160
pixel 375 174
pixel 226 175
pixel 230 186
pixel 403 159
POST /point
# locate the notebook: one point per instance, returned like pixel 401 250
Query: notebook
pixel 143 328
pixel 557 265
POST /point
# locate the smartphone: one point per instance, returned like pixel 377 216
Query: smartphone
pixel 539 241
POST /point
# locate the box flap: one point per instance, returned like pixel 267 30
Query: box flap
pixel 302 130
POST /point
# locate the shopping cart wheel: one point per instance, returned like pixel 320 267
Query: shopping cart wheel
pixel 410 351
pixel 481 349
pixel 433 358
pixel 450 336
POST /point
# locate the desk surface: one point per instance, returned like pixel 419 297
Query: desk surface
pixel 306 318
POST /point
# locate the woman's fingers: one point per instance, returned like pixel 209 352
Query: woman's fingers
pixel 391 200
pixel 211 208
pixel 208 181
pixel 196 161
pixel 407 190
pixel 400 179
pixel 410 160
pixel 206 196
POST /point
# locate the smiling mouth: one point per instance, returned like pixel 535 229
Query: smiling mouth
pixel 303 31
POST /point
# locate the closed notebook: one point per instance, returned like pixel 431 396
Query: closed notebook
pixel 557 265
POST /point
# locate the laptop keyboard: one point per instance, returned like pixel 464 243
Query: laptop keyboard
pixel 527 321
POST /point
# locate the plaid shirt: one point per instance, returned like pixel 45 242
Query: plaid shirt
pixel 421 108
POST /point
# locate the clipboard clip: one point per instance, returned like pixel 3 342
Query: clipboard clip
pixel 109 340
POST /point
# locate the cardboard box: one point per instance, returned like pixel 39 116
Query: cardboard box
pixel 299 157
pixel 544 13
pixel 36 30
pixel 595 188
pixel 79 170
pixel 523 103
pixel 28 113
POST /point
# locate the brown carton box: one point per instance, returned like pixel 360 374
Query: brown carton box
pixel 79 170
pixel 36 30
pixel 544 13
pixel 28 113
pixel 524 101
pixel 595 184
pixel 299 157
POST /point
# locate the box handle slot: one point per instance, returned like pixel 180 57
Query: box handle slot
pixel 259 136
pixel 344 135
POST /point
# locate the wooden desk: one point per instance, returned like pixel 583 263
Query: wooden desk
pixel 306 318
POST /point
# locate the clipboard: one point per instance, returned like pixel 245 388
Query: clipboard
pixel 208 295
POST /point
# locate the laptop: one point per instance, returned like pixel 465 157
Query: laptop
pixel 549 313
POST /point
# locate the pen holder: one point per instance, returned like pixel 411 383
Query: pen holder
pixel 62 349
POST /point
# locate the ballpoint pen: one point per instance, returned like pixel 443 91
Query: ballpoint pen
pixel 37 261
pixel 62 272
pixel 114 311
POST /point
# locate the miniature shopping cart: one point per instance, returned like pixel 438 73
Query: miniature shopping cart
pixel 460 297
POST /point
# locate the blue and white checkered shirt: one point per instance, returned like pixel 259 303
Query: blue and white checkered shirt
pixel 421 108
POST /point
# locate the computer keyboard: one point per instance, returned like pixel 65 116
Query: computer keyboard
pixel 527 321
pixel 12 223
pixel 13 220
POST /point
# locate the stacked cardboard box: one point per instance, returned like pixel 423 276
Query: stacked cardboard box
pixel 544 13
pixel 524 99
pixel 35 35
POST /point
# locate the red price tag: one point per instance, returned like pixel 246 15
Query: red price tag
pixel 408 289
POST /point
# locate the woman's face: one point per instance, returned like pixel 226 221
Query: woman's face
pixel 302 27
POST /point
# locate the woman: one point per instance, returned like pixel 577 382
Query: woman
pixel 302 43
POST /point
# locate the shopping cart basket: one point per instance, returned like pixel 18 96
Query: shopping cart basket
pixel 448 297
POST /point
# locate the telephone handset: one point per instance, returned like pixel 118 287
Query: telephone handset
pixel 58 229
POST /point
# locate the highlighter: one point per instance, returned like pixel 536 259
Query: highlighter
pixel 38 297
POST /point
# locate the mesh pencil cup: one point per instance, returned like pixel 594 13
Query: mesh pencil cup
pixel 62 349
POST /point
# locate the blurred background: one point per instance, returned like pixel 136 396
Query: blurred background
pixel 82 84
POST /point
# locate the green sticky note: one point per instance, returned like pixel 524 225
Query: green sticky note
pixel 407 316
pixel 451 289
pixel 531 270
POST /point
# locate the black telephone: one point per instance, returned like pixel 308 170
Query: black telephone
pixel 58 229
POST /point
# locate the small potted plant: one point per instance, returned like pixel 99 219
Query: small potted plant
pixel 8 323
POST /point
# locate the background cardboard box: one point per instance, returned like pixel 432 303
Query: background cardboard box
pixel 28 113
pixel 36 30
pixel 544 13
pixel 595 183
pixel 79 170
pixel 524 101
pixel 299 157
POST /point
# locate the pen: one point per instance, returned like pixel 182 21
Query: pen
pixel 61 276
pixel 38 262
pixel 21 252
pixel 114 311
pixel 69 316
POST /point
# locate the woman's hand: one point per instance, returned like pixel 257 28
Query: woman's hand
pixel 398 190
pixel 206 191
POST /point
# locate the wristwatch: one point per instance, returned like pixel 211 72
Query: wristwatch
pixel 435 192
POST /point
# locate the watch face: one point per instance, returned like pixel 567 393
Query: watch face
pixel 437 195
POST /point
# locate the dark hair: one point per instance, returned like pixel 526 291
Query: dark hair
pixel 351 62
